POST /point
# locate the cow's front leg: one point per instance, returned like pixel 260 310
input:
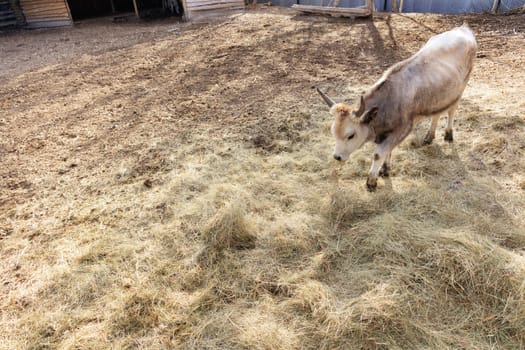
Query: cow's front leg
pixel 387 165
pixel 380 155
pixel 383 153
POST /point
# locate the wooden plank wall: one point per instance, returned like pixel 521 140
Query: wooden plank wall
pixel 46 13
pixel 204 8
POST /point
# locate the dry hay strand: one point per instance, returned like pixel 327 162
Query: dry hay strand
pixel 443 272
pixel 45 330
pixel 138 313
pixel 475 271
pixel 218 270
pixel 374 318
pixel 345 206
pixel 229 228
pixel 154 316
pixel 285 136
pixel 292 236
pixel 260 328
pixel 78 289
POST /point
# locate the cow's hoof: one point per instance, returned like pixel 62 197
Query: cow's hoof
pixel 385 171
pixel 371 184
pixel 449 136
pixel 428 139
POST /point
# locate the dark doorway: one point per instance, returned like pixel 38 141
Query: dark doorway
pixel 82 9
pixel 159 8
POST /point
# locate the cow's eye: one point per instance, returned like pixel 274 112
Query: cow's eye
pixel 351 136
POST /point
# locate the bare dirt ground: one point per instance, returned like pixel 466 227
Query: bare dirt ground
pixel 170 185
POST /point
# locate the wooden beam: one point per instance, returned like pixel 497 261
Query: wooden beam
pixel 334 11
pixel 136 8
pixel 232 6
pixel 185 11
pixel 210 2
pixel 69 11
pixel 495 6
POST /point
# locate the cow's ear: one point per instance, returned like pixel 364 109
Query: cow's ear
pixel 369 115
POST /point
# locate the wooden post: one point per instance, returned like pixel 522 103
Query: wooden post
pixel 495 6
pixel 400 6
pixel 394 6
pixel 69 12
pixel 370 5
pixel 136 8
pixel 185 11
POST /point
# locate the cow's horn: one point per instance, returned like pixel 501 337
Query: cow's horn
pixel 326 99
pixel 361 107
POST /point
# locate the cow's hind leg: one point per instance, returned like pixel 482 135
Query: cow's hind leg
pixel 431 133
pixel 449 135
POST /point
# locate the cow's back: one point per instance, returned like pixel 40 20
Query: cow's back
pixel 434 78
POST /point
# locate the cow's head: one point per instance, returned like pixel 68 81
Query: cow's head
pixel 350 127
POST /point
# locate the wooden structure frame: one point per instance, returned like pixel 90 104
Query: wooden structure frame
pixel 46 13
pixel 194 9
pixel 365 11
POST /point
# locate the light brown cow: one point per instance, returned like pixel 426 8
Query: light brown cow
pixel 427 84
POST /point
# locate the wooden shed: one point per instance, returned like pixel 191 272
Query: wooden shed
pixel 58 13
pixel 46 13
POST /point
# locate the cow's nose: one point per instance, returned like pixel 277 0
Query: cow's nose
pixel 337 157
